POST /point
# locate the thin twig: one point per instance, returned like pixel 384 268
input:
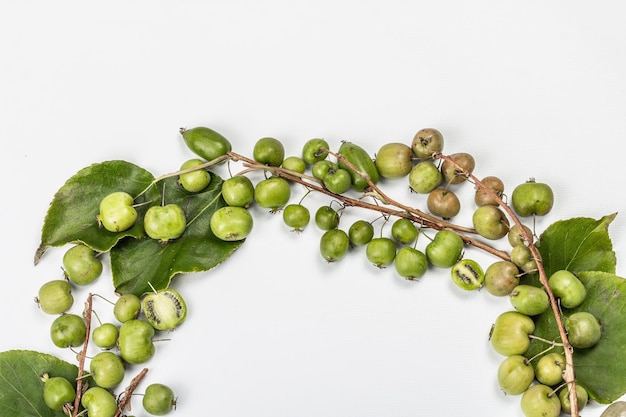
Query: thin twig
pixel 126 396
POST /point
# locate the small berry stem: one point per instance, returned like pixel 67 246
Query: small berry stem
pixel 552 343
pixel 103 298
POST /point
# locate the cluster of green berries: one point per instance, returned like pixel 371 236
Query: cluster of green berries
pixel 168 221
pixel 130 339
pixel 539 379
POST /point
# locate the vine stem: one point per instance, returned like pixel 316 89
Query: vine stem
pixel 569 374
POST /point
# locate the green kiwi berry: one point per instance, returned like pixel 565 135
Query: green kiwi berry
pixel 55 297
pixel 515 374
pixel 393 160
pixel 410 263
pixel 315 150
pixel 468 274
pixel 568 288
pixel 360 232
pixel 294 163
pixel 510 333
pixel 296 216
pixel 117 212
pixel 532 198
pixel 425 177
pixel 404 231
pixel 582 398
pixel 272 193
pixel 105 335
pixel 205 142
pixel 238 191
pixel 68 330
pixel 158 399
pixel 57 392
pixel 321 168
pixel 81 265
pixel 164 309
pixel 334 245
pixel 426 142
pixel 360 165
pixel 540 400
pixel 444 203
pixel 583 329
pixel 529 300
pixel 517 237
pixel 194 181
pixel 490 222
pixel 127 307
pixel 483 197
pixel 231 223
pixel 549 368
pixel 501 277
pixel 381 251
pixel 165 223
pixel 445 249
pixel 337 181
pixel 451 173
pixel 327 218
pixel 135 341
pixel 269 151
pixel 99 402
pixel 522 256
pixel 107 369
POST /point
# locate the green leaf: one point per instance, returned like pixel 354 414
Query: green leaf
pixel 599 369
pixel 138 264
pixel 21 389
pixel 71 216
pixel 578 244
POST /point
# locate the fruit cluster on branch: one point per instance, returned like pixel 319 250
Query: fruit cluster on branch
pixel 156 217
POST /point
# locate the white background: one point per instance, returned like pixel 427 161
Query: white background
pixel 531 89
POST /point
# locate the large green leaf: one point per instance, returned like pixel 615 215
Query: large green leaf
pixel 140 264
pixel 578 244
pixel 603 367
pixel 21 389
pixel 71 216
pixel 599 369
